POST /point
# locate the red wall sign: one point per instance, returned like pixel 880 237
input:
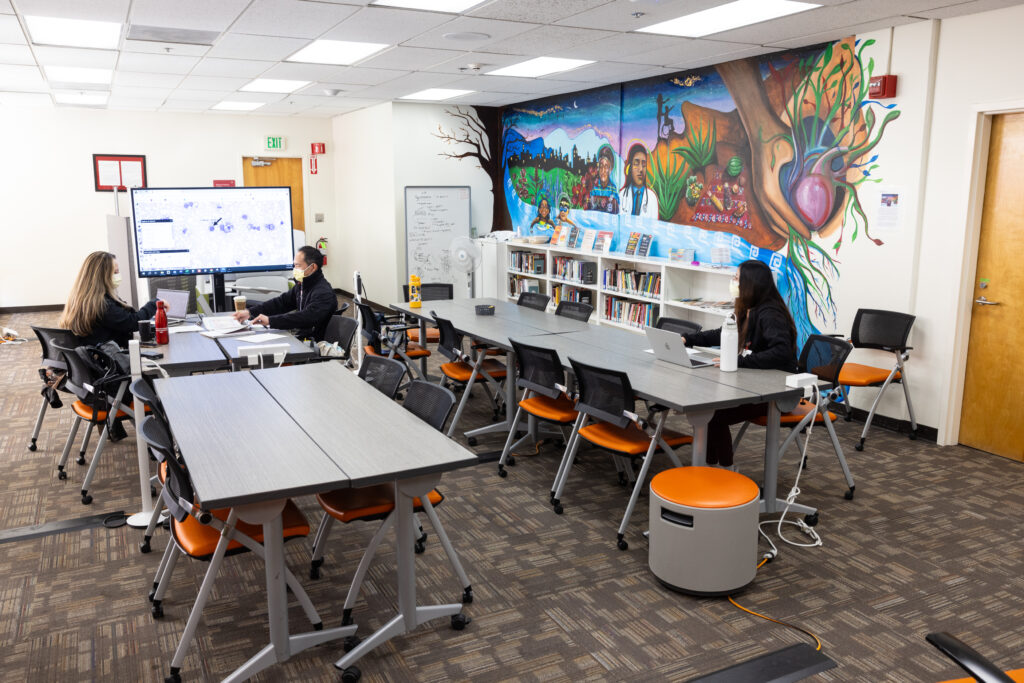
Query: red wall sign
pixel 317 148
pixel 312 165
pixel 223 183
pixel 121 171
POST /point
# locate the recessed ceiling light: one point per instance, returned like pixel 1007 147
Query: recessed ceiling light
pixel 436 94
pixel 541 66
pixel 80 97
pixel 335 52
pixel 466 36
pixel 728 16
pixel 273 85
pixel 453 6
pixel 78 74
pixel 74 32
pixel 228 105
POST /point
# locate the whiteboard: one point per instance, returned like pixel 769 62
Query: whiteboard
pixel 434 216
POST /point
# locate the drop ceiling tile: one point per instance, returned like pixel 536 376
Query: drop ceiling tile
pixel 543 40
pixel 282 108
pixel 238 68
pixel 610 72
pixel 496 31
pixel 484 99
pixel 963 8
pixel 264 97
pixel 201 15
pixel 140 92
pixel 411 58
pixel 386 25
pixel 408 84
pixel 71 56
pixel 10 31
pixel 485 60
pixel 509 84
pixel 619 47
pixel 844 31
pixel 16 54
pixel 5 7
pixel 309 100
pixel 160 48
pixel 119 102
pixel 25 78
pixel 107 10
pixel 534 10
pixel 290 18
pixel 305 72
pixel 158 64
pixel 317 89
pixel 185 106
pixel 25 99
pixel 689 50
pixel 754 51
pixel 618 15
pixel 134 79
pixel 197 96
pixel 357 75
pixel 217 83
pixel 268 48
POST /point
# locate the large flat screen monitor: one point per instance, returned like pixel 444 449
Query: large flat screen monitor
pixel 187 230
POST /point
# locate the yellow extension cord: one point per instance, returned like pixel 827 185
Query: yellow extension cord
pixel 783 623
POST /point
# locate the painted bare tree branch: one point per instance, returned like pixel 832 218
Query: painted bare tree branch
pixel 479 129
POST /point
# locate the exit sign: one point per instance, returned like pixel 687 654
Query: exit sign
pixel 274 143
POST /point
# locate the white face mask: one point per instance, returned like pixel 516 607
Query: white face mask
pixel 299 273
pixel 734 289
pixel 117 279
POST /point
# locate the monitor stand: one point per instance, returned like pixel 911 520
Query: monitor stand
pixel 218 292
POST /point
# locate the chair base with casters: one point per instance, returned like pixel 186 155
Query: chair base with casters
pixel 49 339
pixel 560 411
pixel 972 661
pixel 857 375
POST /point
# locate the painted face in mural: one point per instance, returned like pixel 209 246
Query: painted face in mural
pixel 604 170
pixel 544 209
pixel 638 168
pixel 563 210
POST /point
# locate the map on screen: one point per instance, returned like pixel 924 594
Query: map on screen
pixel 212 229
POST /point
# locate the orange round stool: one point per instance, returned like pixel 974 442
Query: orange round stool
pixel 703 537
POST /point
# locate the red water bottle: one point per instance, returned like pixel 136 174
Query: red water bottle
pixel 161 324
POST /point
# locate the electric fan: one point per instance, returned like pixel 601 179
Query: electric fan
pixel 465 258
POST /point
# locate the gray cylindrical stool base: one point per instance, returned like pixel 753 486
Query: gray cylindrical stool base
pixel 703 537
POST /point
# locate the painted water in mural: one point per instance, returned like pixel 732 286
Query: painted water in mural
pixel 762 156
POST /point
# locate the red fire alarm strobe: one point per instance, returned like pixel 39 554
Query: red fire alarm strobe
pixel 317 147
pixel 882 87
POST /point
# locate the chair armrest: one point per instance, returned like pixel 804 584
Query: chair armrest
pixel 969 659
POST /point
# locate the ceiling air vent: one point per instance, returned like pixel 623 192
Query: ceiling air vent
pixel 163 34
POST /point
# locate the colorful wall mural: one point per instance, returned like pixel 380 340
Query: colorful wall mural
pixel 763 156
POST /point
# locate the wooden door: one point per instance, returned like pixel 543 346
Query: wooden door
pixel 995 376
pixel 280 173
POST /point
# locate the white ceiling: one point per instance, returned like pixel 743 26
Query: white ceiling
pixel 253 37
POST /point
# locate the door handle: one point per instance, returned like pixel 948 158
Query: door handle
pixel 985 302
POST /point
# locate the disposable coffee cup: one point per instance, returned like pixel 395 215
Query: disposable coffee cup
pixel 240 302
pixel 146 333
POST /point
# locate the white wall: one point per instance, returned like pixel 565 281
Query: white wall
pixel 50 215
pixel 366 237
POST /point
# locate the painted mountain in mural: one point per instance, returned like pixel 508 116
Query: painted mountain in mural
pixel 516 144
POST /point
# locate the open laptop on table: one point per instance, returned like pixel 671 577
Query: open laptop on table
pixel 668 346
pixel 176 304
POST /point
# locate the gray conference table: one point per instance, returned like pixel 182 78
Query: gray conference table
pixel 235 347
pixel 253 439
pixel 188 352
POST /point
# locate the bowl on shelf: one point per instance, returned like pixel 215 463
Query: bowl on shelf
pixel 538 239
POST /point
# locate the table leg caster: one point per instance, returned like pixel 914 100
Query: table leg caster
pixel 460 621
pixel 467 595
pixel 32 446
pixel 175 677
pixel 811 520
pixel 86 498
pixel 849 494
pixel 621 542
pixel 351 675
pixel 351 642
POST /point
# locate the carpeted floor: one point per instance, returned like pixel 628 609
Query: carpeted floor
pixel 934 540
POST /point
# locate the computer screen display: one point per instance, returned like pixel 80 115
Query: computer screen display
pixel 195 230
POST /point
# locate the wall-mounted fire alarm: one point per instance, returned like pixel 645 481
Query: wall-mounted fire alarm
pixel 882 87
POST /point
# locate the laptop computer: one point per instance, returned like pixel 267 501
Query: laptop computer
pixel 176 303
pixel 668 346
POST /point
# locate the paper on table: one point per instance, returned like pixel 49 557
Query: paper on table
pixel 222 323
pixel 184 328
pixel 257 338
pixel 214 334
pixel 109 173
pixel 131 173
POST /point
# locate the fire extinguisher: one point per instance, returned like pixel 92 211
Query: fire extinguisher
pixel 321 245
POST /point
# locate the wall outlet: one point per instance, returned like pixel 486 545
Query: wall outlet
pixel 318 218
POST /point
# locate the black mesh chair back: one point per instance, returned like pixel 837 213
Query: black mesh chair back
pixel 185 283
pixel 577 310
pixel 450 342
pixel 877 329
pixel 50 336
pixel 538 302
pixel 157 437
pixel 177 493
pixel 340 331
pixel 680 327
pixel 540 369
pixel 80 375
pixel 432 291
pixel 342 308
pixel 604 393
pixel 824 356
pixel 431 403
pixel 371 328
pixel 382 373
pixel 142 389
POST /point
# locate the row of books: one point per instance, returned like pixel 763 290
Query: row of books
pixel 632 282
pixel 573 237
pixel 561 293
pixel 518 285
pixel 628 312
pixel 568 268
pixel 527 262
pixel 639 244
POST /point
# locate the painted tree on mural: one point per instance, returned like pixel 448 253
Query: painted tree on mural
pixel 480 129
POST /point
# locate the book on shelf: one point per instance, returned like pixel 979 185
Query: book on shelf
pixel 631 245
pixel 645 244
pixel 603 243
pixel 563 237
pixel 589 237
pixel 574 236
pixel 588 272
pixel 556 234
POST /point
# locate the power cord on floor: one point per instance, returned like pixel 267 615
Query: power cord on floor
pixel 768 557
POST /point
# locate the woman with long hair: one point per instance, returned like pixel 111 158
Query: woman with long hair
pixel 93 310
pixel 767 341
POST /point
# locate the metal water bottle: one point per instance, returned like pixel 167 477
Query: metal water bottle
pixel 161 324
pixel 729 345
pixel 415 301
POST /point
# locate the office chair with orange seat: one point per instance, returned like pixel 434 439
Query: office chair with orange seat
pixel 606 397
pixel 885 331
pixel 390 341
pixel 678 325
pixel 972 661
pixel 429 291
pixel 576 310
pixel 52 362
pixel 545 395
pixel 825 357
pixel 464 370
pixel 538 302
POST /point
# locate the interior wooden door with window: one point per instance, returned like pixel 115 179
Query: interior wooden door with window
pixel 994 380
pixel 278 172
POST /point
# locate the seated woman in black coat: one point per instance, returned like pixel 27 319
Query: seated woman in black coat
pixel 767 340
pixel 93 310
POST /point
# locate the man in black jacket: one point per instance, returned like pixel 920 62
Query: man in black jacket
pixel 307 307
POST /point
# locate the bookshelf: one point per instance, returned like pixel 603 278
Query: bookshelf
pixel 625 291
